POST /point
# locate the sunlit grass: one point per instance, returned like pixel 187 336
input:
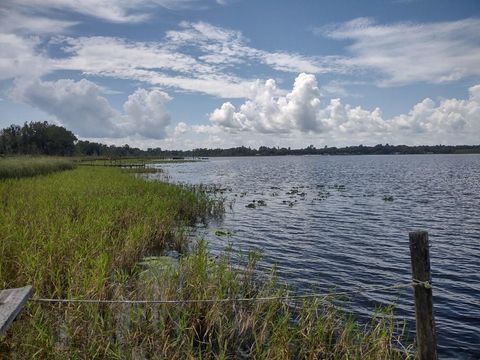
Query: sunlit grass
pixel 126 161
pixel 143 170
pixel 24 166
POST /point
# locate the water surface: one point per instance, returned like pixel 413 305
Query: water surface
pixel 329 222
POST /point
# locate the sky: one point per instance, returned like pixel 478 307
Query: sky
pixel 222 73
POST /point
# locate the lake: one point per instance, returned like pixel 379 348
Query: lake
pixel 340 222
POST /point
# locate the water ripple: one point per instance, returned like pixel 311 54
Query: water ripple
pixel 342 222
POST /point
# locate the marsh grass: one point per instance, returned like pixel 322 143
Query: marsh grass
pixel 272 329
pixel 143 170
pixel 84 234
pixel 70 234
pixel 25 166
pixel 127 161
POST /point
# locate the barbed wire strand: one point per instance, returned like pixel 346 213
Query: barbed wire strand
pixel 226 300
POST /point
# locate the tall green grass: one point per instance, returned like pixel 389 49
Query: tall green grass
pixel 24 166
pixel 54 227
pixel 84 234
pixel 270 329
pixel 126 161
pixel 69 233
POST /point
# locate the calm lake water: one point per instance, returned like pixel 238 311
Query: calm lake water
pixel 326 225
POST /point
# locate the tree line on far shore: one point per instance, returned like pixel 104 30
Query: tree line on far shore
pixel 42 138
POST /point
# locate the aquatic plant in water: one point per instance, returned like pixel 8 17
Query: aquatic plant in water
pixel 220 232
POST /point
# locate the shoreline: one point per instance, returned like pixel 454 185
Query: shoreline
pixel 82 234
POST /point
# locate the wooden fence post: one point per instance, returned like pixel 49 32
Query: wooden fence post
pixel 11 303
pixel 424 317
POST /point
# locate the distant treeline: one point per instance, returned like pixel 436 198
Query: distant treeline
pixel 312 150
pixel 43 138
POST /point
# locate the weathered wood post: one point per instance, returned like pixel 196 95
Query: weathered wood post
pixel 12 302
pixel 424 317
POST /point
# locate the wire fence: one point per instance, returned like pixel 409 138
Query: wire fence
pixel 360 290
pixel 457 296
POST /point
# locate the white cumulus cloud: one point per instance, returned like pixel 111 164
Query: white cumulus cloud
pixel 145 112
pixel 453 121
pixel 180 128
pixel 79 105
pixel 82 108
pixel 301 111
pixel 267 111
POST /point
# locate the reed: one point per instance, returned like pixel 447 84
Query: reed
pixel 126 161
pixel 143 170
pixel 267 329
pixel 24 166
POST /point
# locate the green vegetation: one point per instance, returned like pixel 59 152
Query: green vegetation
pixel 143 170
pixel 126 161
pixel 78 234
pixel 24 166
pixel 97 149
pixel 43 138
pixel 92 233
pixel 232 330
pixel 37 138
pixel 261 203
pixel 220 232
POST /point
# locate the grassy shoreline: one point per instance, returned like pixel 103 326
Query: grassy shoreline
pixel 83 234
pixel 25 166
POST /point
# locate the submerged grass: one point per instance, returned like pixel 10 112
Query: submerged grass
pixel 83 234
pixel 24 166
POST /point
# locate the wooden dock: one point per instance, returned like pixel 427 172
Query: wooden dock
pixel 12 302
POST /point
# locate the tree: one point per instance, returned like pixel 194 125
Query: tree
pixel 10 139
pixel 37 138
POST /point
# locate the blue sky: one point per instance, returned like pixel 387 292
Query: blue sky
pixel 186 74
